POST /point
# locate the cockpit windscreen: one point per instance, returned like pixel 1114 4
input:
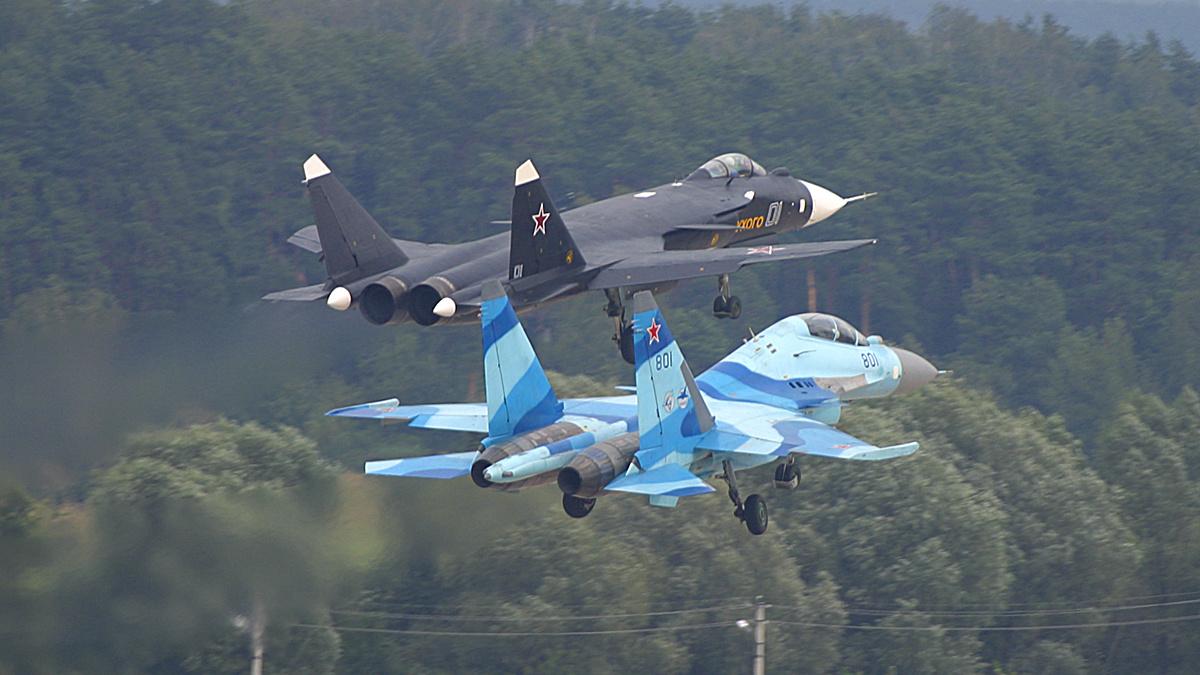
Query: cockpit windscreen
pixel 833 328
pixel 730 164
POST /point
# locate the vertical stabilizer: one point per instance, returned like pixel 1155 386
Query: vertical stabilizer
pixel 672 416
pixel 540 241
pixel 353 244
pixel 519 397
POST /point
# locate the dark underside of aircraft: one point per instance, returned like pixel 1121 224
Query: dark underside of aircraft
pixel 696 227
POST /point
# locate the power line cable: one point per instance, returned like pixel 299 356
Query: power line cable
pixel 595 603
pixel 564 633
pixel 726 624
pixel 989 629
pixel 1055 604
pixel 1010 608
pixel 1005 613
pixel 581 617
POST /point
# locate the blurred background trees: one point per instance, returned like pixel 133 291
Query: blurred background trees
pixel 169 475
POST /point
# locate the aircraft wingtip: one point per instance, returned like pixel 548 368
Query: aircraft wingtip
pixel 315 168
pixel 526 173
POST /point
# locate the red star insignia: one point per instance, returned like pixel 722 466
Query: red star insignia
pixel 539 220
pixel 652 331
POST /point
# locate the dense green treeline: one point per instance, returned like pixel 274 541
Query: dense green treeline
pixel 195 534
pixel 1038 234
pixel 151 149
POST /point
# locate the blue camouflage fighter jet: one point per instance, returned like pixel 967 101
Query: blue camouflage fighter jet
pixel 772 399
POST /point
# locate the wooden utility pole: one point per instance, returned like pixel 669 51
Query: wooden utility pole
pixel 760 637
pixel 812 290
pixel 258 624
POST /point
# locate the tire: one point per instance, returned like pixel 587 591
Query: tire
pixel 735 307
pixel 755 514
pixel 626 344
pixel 787 476
pixel 782 473
pixel 577 507
pixel 720 307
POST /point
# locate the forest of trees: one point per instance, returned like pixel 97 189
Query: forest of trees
pixel 168 481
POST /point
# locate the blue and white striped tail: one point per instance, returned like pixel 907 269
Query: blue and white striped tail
pixel 672 416
pixel 519 397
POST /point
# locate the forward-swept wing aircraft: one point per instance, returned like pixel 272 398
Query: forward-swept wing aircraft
pixel 648 240
pixel 770 401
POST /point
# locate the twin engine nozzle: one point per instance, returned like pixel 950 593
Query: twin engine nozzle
pixel 593 468
pixel 582 462
pixel 388 301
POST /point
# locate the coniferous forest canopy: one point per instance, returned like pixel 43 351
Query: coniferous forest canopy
pixel 169 483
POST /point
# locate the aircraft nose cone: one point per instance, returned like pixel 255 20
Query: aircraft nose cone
pixel 491 473
pixel 915 371
pixel 825 202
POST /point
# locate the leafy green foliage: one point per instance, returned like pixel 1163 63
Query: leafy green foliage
pixel 1037 229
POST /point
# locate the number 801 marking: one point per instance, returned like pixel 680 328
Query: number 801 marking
pixel 662 360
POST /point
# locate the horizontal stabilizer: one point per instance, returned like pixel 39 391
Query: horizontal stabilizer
pixel 306 238
pixel 302 294
pixel 668 480
pixel 444 416
pixel 443 467
pixel 660 266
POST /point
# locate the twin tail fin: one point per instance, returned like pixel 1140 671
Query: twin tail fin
pixel 539 240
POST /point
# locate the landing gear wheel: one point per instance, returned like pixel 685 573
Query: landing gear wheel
pixel 734 307
pixel 720 307
pixel 625 342
pixel 787 476
pixel 578 507
pixel 754 513
pixel 622 329
pixel 726 305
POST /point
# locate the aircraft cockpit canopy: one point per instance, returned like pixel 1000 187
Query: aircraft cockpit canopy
pixel 830 327
pixel 729 164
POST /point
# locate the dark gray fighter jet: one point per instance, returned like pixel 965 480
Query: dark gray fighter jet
pixel 648 240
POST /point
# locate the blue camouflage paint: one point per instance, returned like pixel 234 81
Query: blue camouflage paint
pixel 731 381
pixel 758 404
pixel 667 417
pixel 519 395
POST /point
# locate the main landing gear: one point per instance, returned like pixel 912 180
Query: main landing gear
pixel 787 474
pixel 578 507
pixel 726 306
pixel 622 328
pixel 752 512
